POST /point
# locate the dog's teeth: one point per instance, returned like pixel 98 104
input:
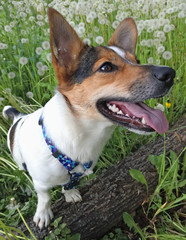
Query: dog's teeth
pixel 133 117
pixel 143 121
pixel 120 112
pixel 108 105
pixel 113 108
pixel 127 115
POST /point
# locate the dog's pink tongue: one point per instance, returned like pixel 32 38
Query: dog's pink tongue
pixel 155 118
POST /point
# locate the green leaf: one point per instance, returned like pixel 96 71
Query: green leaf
pixel 131 224
pixel 57 231
pixel 76 236
pixel 156 160
pixel 137 175
pixel 56 222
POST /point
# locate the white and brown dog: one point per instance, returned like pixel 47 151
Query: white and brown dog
pixel 98 87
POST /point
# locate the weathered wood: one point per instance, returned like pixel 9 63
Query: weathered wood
pixel 114 191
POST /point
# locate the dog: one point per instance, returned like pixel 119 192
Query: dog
pixel 98 88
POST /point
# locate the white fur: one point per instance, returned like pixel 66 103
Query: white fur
pixel 119 51
pixel 81 140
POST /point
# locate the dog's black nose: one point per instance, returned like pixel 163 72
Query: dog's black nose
pixel 164 74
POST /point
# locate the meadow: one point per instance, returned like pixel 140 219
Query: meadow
pixel 27 82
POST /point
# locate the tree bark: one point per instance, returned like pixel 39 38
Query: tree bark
pixel 114 191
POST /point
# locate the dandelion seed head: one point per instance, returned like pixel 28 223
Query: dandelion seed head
pixel 99 40
pixel 167 28
pixel 39 17
pixel 29 94
pixel 44 68
pixel 40 72
pixel 150 60
pixel 24 40
pixel 8 90
pixel 167 55
pixel 11 75
pixel 160 107
pixel 39 50
pixel 49 57
pixel 23 60
pixel 181 14
pixel 7 28
pixel 115 24
pixel 45 45
pixel 143 42
pixel 160 49
pixel 39 65
pixel 87 41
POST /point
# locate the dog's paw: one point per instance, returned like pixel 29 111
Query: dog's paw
pixel 88 172
pixel 72 195
pixel 42 218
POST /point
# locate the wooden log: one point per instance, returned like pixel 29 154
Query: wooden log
pixel 114 191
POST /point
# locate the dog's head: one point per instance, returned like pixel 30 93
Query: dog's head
pixel 107 83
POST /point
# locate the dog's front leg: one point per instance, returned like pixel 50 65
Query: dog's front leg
pixel 43 213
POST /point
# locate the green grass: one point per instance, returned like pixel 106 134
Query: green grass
pixel 164 211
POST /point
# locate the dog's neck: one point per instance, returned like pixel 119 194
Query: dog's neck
pixel 81 139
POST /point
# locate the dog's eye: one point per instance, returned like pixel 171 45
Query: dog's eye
pixel 107 67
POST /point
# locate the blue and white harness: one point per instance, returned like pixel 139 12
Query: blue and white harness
pixel 66 161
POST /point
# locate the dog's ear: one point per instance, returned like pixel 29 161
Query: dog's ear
pixel 64 41
pixel 125 36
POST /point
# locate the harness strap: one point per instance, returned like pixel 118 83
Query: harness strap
pixel 66 161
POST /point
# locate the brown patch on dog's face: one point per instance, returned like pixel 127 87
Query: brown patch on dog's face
pixel 110 76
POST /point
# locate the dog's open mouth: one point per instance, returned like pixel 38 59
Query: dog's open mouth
pixel 134 116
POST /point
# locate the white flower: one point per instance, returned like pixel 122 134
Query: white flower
pixel 160 107
pixel 12 24
pixel 143 42
pixel 39 50
pixel 31 18
pixel 181 14
pixel 99 39
pixel 23 60
pixel 155 12
pixel 40 72
pixel 89 19
pixel 39 17
pixel 49 57
pixel 161 15
pixel 167 55
pixel 8 90
pixel 29 94
pixel 11 75
pixel 3 46
pixel 161 49
pixel 167 28
pixel 44 68
pixel 45 45
pixel 8 28
pixel 82 24
pixel 87 41
pixel 1 100
pixel 23 32
pixel 115 24
pixel 150 60
pixel 149 43
pixel 39 65
pixel 157 61
pixel 24 40
pixel 72 23
pixel 80 31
